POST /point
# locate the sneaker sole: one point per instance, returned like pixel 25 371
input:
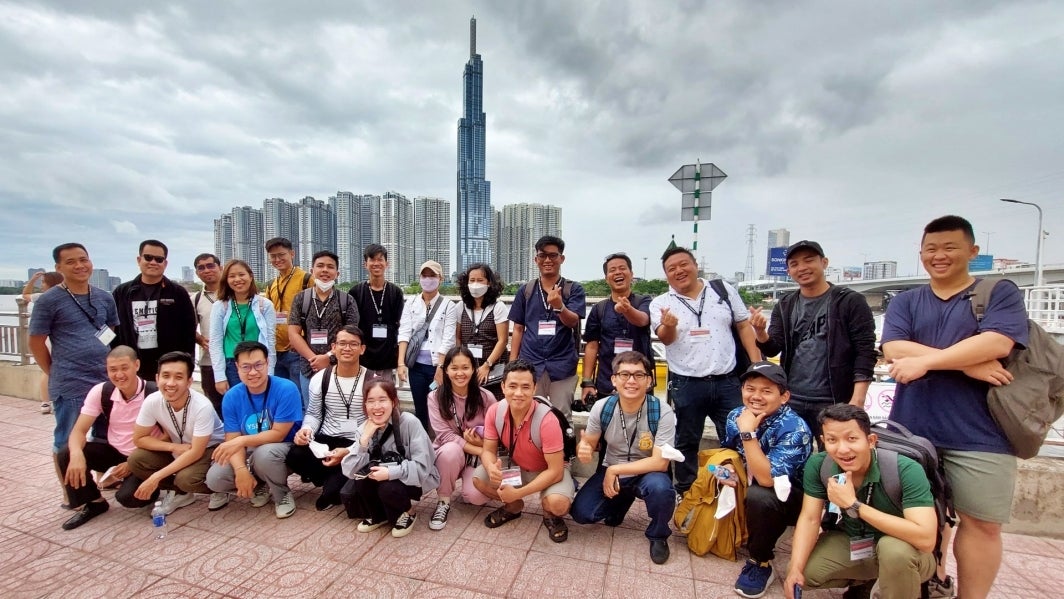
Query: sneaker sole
pixel 370 528
pixel 435 525
pixel 399 533
pixel 215 508
pixel 283 515
pixel 184 503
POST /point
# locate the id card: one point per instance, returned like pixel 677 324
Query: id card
pixel 105 335
pixel 862 548
pixel 622 345
pixel 512 477
pixel 699 334
pixel 347 427
pixel 476 350
pixel 380 331
pixel 547 328
pixel 319 336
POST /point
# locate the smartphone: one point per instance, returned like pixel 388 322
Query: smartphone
pixel 797 591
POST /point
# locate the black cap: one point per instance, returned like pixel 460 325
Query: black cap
pixel 805 244
pixel 772 372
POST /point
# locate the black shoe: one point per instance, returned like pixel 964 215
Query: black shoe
pixel 325 502
pixel 86 513
pixel 859 590
pixel 659 552
pixel 613 520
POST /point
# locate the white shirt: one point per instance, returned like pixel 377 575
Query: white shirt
pixel 712 352
pixel 203 317
pixel 441 330
pixel 201 421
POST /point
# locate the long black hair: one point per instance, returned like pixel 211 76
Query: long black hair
pixel 445 394
pixel 494 286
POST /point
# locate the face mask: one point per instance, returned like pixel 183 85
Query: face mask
pixel 477 289
pixel 430 284
pixel 323 286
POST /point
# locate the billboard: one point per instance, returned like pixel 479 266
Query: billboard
pixel 981 263
pixel 777 262
pixel 852 273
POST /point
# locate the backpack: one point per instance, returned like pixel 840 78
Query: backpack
pixel 567 288
pixel 306 297
pixel 99 427
pixel 610 407
pixel 1026 408
pixel 541 408
pixel 742 359
pixel 695 515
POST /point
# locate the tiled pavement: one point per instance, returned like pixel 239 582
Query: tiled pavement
pixel 243 552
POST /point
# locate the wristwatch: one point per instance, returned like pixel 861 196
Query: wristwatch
pixel 750 436
pixel 854 511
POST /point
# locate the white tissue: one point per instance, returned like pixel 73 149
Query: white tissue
pixel 671 453
pixel 725 501
pixel 320 450
pixel 782 484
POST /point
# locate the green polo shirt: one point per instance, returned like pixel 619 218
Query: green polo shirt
pixel 915 490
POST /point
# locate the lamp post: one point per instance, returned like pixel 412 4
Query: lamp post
pixel 644 268
pixel 1041 237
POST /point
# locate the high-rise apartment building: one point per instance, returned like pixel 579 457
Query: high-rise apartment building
pixel 884 269
pixel 370 228
pixel 317 229
pixel 248 244
pixel 496 223
pixel 102 279
pixel 432 232
pixel 348 233
pixel 281 219
pixel 474 192
pixel 520 227
pixel 187 274
pixel 223 237
pixel 32 271
pixel 397 237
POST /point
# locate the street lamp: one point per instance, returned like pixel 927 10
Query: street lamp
pixel 644 268
pixel 1041 237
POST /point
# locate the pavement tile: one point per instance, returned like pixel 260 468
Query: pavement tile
pixel 463 566
pixel 354 582
pixel 172 589
pixel 631 550
pixel 340 542
pixel 548 575
pixel 438 591
pixel 622 583
pixel 71 574
pixel 590 542
pixel 517 534
pixel 413 556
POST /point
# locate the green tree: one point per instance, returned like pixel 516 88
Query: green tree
pixel 652 287
pixel 750 297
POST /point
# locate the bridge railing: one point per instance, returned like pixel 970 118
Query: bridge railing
pixel 15 338
pixel 1045 305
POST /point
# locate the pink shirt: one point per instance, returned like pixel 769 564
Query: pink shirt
pixel 526 454
pixel 447 429
pixel 123 416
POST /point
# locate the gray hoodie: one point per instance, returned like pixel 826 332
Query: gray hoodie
pixel 419 466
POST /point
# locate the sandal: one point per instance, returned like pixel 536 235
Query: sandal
pixel 500 517
pixel 557 528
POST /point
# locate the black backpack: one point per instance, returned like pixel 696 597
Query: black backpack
pixel 541 407
pixel 742 359
pixel 306 297
pixel 99 427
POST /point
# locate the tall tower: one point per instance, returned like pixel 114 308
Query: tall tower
pixel 474 192
pixel 432 232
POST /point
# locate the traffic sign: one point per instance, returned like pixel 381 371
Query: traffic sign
pixel 684 178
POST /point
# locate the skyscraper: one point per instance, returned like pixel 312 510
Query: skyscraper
pixel 281 219
pixel 247 240
pixel 369 222
pixel 223 237
pixel 397 237
pixel 432 232
pixel 474 192
pixel 520 227
pixel 345 206
pixel 317 229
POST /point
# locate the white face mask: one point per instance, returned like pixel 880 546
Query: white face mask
pixel 477 289
pixel 430 284
pixel 324 286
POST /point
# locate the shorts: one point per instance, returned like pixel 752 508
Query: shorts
pixel 66 414
pixel 983 483
pixel 563 487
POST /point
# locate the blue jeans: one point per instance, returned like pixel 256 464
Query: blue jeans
pixel 232 374
pixel 421 376
pixel 693 399
pixel 287 366
pixel 304 388
pixel 66 414
pixel 654 488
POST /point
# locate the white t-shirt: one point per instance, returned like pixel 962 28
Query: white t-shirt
pixel 700 349
pixel 201 419
pixel 203 317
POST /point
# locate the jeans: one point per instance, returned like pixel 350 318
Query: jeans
pixel 66 413
pixel 232 374
pixel 693 400
pixel 304 389
pixel 287 366
pixel 810 413
pixel 421 377
pixel 654 488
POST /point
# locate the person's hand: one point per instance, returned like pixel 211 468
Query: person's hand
pixel 245 483
pixel 758 321
pixel 438 377
pixel 907 370
pixel 367 432
pixel 622 306
pixel 583 449
pixel 611 485
pixel 794 577
pixel 668 319
pixel 483 372
pixel 203 342
pixel 226 450
pixel 221 387
pixel 588 393
pixel 748 420
pixel 303 437
pixel 319 362
pixel 179 449
pixel 121 471
pixel 146 488
pixel 472 438
pixel 76 471
pixel 334 457
pixel 378 473
pixel 509 494
pixel 494 472
pixel 554 297
pixel 990 371
pixel 402 373
pixel 842 494
pixel 732 480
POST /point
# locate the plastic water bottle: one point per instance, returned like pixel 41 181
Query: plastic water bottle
pixel 158 522
pixel 719 472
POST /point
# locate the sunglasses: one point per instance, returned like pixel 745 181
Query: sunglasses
pixel 206 266
pixel 153 258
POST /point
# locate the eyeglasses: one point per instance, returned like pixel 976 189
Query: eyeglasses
pixel 377 402
pixel 154 258
pixel 346 344
pixel 257 367
pixel 277 256
pixel 206 266
pixel 625 376
pixel 548 255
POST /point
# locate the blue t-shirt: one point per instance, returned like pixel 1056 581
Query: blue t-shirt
pixel 946 406
pixel 249 414
pixel 608 329
pixel 784 438
pixel 556 353
pixel 79 360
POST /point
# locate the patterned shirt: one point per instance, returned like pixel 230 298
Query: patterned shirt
pixel 321 316
pixel 783 436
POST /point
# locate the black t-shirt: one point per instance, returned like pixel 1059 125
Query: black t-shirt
pixel 377 308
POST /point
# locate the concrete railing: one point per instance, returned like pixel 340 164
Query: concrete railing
pixel 15 338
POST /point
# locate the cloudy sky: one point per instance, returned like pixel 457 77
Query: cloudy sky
pixel 853 123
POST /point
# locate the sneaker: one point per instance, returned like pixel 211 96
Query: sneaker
pixel 286 506
pixel 368 525
pixel 325 502
pixel 261 496
pixel 439 517
pixel 753 581
pixel 218 501
pixel 403 525
pixel 174 501
pixel 941 589
pixel 46 407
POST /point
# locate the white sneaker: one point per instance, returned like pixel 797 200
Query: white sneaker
pixel 286 507
pixel 368 525
pixel 175 501
pixel 218 501
pixel 261 496
pixel 404 524
pixel 46 407
pixel 439 517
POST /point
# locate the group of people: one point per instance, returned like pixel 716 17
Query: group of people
pixel 299 379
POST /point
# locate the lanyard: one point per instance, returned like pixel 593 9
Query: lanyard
pixel 701 304
pixel 624 427
pixel 243 321
pixel 454 407
pixel 207 294
pixel 340 391
pixel 867 501
pixel 324 305
pixel 184 418
pixel 378 308
pixel 280 296
pixel 620 318
pixel 264 414
pixel 510 415
pixel 473 318
pixel 543 296
pixel 92 319
pixel 148 299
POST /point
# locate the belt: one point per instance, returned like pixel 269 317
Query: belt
pixel 708 377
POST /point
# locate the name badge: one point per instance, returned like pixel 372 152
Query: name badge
pixel 105 335
pixel 699 334
pixel 282 317
pixel 512 477
pixel 547 328
pixel 380 331
pixel 622 345
pixel 319 337
pixel 862 548
pixel 476 350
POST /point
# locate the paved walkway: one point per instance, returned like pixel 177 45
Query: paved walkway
pixel 243 552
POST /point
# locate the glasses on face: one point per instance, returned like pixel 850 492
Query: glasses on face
pixel 278 256
pixel 154 258
pixel 377 402
pixel 347 344
pixel 257 367
pixel 548 255
pixel 206 266
pixel 625 376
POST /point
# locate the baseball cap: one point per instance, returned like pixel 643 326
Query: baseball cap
pixel 805 244
pixel 433 266
pixel 770 371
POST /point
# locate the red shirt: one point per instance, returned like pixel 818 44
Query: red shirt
pixel 525 453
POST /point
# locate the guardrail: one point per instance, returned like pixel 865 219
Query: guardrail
pixel 1045 305
pixel 15 338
